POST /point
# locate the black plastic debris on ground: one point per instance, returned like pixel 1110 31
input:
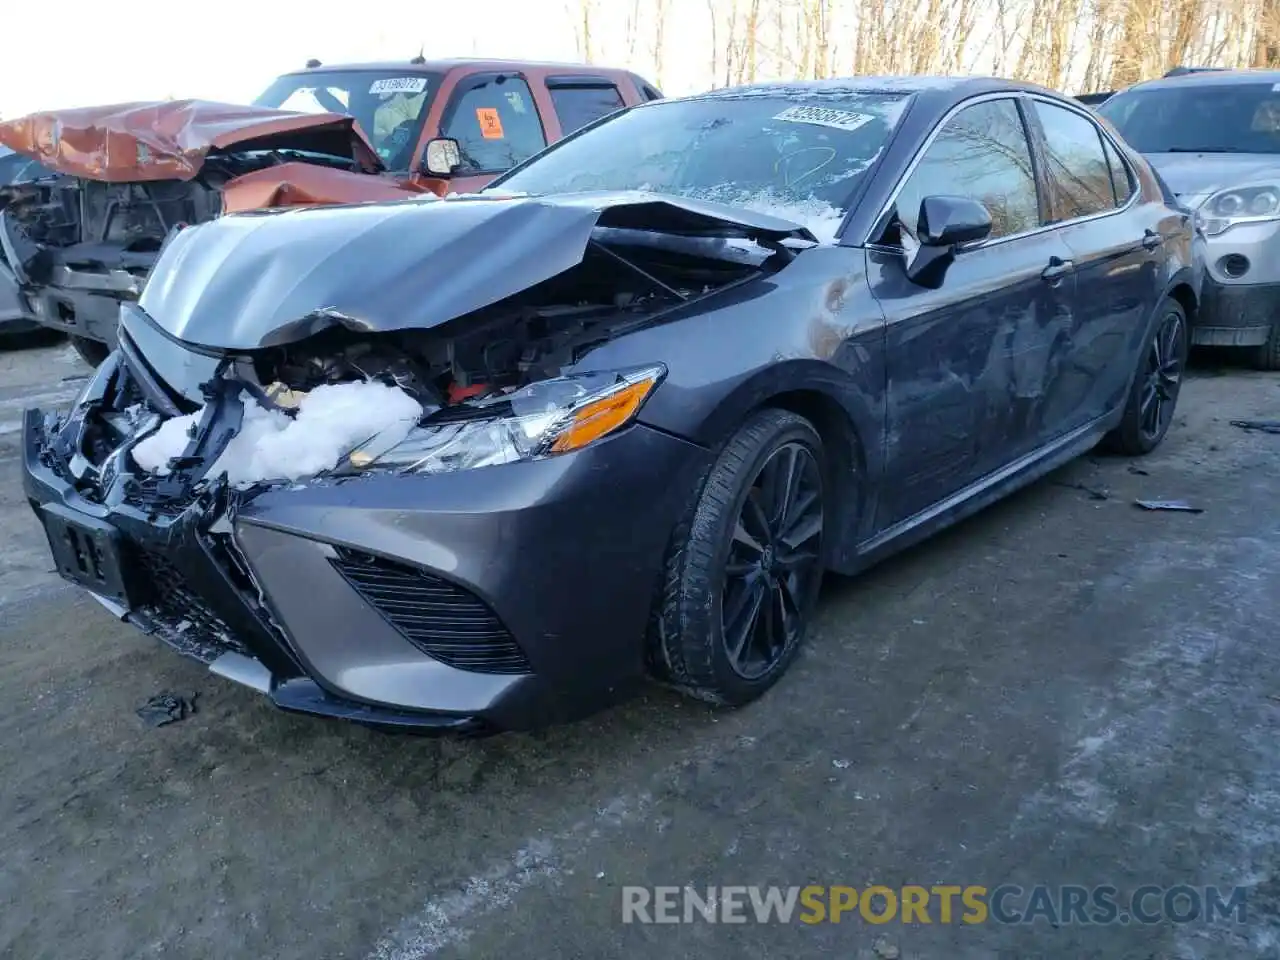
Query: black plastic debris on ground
pixel 1138 471
pixel 1179 505
pixel 1093 494
pixel 165 708
pixel 1263 426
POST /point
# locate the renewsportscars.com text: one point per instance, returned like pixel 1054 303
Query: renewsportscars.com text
pixel 971 904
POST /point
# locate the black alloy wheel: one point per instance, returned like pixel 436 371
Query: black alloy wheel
pixel 1162 377
pixel 745 563
pixel 773 560
pixel 1153 394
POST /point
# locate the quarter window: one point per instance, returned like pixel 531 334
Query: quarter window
pixel 1120 180
pixel 1075 164
pixel 496 124
pixel 577 105
pixel 981 153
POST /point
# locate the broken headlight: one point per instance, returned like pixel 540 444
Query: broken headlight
pixel 1225 209
pixel 541 420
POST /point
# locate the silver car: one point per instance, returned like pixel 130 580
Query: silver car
pixel 1214 138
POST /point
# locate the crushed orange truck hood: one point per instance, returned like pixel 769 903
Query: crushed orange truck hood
pixel 304 184
pixel 169 139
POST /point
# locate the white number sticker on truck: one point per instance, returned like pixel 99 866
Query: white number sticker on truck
pixel 399 85
pixel 825 117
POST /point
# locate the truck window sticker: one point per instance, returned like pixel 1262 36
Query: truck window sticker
pixel 399 85
pixel 490 123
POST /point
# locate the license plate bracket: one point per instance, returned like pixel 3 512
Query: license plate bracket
pixel 87 552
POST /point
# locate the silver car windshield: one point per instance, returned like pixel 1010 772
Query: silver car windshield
pixel 1199 118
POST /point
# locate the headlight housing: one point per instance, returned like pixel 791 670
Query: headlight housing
pixel 1249 204
pixel 541 420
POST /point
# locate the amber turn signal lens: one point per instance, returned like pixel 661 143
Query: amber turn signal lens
pixel 595 419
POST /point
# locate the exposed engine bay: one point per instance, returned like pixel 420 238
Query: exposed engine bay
pixel 295 411
pixel 620 284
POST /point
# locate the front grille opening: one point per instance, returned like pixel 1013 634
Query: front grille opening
pixel 179 616
pixel 440 618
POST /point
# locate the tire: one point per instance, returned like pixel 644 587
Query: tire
pixel 713 573
pixel 92 352
pixel 1267 356
pixel 1158 381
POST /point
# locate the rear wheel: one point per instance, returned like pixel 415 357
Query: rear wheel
pixel 92 352
pixel 745 567
pixel 1267 356
pixel 1153 397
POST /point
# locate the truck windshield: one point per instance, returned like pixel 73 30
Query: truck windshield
pixel 1199 118
pixel 389 106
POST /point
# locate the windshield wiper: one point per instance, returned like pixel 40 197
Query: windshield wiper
pixel 1209 150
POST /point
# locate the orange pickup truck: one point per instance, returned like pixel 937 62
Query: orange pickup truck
pixel 497 112
pixel 123 178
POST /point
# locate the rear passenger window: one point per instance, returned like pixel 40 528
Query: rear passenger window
pixel 981 153
pixel 1120 180
pixel 576 106
pixel 1076 165
pixel 495 122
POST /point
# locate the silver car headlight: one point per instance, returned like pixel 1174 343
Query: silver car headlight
pixel 1226 208
pixel 541 420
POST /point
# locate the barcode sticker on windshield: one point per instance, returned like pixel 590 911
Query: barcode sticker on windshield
pixel 825 117
pixel 399 85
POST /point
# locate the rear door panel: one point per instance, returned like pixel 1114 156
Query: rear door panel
pixel 1105 225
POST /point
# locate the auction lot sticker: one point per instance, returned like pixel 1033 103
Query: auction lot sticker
pixel 399 85
pixel 825 117
pixel 490 123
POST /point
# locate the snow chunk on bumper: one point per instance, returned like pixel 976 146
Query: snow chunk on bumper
pixel 331 420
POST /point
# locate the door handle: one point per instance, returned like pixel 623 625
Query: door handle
pixel 1057 269
pixel 1151 239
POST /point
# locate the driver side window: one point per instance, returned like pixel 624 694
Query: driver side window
pixel 981 153
pixel 495 122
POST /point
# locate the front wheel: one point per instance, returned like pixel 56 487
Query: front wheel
pixel 744 570
pixel 1153 398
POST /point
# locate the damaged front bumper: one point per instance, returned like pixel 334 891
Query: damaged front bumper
pixel 1236 314
pixel 503 598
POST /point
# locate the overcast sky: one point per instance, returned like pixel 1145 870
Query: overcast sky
pixel 85 52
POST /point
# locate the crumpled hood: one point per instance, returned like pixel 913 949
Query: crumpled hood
pixel 263 279
pixel 1196 175
pixel 169 139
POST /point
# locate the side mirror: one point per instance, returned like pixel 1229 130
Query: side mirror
pixel 442 157
pixel 943 224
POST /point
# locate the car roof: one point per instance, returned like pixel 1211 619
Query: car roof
pixel 444 65
pixel 1209 78
pixel 957 88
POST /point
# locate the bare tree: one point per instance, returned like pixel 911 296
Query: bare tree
pixel 584 18
pixel 660 8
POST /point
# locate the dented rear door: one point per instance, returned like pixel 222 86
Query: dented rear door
pixel 1115 245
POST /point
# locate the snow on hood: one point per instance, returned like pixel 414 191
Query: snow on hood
pixel 331 421
pixel 265 279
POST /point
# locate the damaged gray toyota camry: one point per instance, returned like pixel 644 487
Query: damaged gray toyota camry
pixel 483 463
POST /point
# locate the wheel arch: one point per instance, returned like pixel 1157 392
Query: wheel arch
pixel 1182 290
pixel 848 419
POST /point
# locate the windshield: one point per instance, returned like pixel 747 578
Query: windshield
pixel 1201 118
pixel 389 106
pixel 796 158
